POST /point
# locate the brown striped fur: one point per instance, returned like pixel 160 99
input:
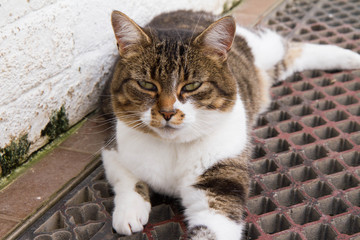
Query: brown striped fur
pixel 227 186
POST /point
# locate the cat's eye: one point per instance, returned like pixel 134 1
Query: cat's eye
pixel 191 87
pixel 147 85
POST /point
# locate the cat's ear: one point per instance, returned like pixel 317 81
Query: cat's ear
pixel 127 33
pixel 218 37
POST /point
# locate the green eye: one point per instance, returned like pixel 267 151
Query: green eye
pixel 191 87
pixel 147 85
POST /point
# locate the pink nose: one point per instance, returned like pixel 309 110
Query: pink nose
pixel 167 114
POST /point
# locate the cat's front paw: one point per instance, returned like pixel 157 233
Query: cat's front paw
pixel 130 214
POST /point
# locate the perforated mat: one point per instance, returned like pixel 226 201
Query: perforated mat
pixel 306 164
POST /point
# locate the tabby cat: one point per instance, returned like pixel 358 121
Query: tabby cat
pixel 185 92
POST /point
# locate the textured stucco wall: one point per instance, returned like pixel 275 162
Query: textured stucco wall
pixel 56 53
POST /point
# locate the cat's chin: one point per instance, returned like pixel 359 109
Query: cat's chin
pixel 172 134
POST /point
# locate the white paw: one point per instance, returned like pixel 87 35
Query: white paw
pixel 131 213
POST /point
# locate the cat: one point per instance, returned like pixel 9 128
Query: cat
pixel 186 92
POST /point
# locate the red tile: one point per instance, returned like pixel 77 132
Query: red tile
pixel 91 137
pixel 6 226
pixel 40 182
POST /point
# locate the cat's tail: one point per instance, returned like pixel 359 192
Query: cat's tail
pixel 281 58
pixel 306 56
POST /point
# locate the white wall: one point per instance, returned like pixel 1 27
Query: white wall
pixel 56 52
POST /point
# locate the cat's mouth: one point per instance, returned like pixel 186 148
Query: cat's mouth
pixel 168 128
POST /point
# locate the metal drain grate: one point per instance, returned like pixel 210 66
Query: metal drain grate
pixel 85 213
pixel 306 164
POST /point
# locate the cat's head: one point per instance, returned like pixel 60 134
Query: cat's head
pixel 173 84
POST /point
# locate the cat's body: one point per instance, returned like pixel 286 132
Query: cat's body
pixel 186 95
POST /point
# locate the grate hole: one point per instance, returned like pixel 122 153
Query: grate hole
pixel 274 106
pixel 326 132
pixel 302 110
pixel 258 152
pixel 265 133
pixel 334 24
pixel 281 91
pixel 276 181
pixel 303 174
pixel 289 197
pixel 332 206
pixel 171 230
pixel 278 145
pixel 314 95
pixel 356 138
pixel 312 74
pixel 346 100
pixel 349 127
pixel 264 166
pixel 352 159
pixel 261 205
pixel 323 82
pixel 302 139
pixel 355 110
pixel 353 86
pixel 348 224
pixel 317 189
pixel 55 222
pixel 88 231
pixel 340 145
pixel 318 28
pixel 304 214
pixel 329 166
pixel 291 100
pixel 262 121
pixel 103 189
pixel 90 212
pixel 109 206
pixel 344 30
pixel 351 21
pixel 336 116
pixel 319 231
pixel 251 232
pixel 356 13
pixel 278 116
pixel 288 236
pixel 354 197
pixel 342 15
pixel 290 127
pixel 295 78
pixel 334 91
pixel 350 46
pixel 325 105
pixel 255 189
pixel 344 77
pixel 60 235
pixel 83 196
pixel 304 31
pixel 344 181
pixel 274 223
pixel 304 86
pixel 355 36
pixel 315 152
pixel 290 159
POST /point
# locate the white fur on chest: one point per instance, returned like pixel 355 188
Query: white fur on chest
pixel 168 166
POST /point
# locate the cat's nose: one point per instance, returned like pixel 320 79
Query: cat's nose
pixel 167 114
